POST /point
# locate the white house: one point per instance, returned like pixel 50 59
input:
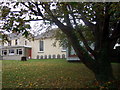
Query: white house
pixel 39 48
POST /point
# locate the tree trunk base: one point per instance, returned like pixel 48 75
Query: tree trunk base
pixel 112 85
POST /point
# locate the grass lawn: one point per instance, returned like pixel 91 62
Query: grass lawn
pixel 54 73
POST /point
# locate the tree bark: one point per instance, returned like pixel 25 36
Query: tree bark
pixel 104 72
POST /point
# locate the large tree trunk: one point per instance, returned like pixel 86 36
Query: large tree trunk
pixel 104 75
pixel 104 72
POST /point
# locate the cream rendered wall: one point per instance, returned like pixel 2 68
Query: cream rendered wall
pixel 20 41
pixel 0 42
pixel 49 49
pixel 0 48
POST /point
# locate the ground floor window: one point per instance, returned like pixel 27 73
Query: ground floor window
pixel 11 52
pixel 19 51
pixel 63 56
pixel 4 52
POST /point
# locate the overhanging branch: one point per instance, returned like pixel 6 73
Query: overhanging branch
pixel 30 8
pixel 37 19
pixel 116 32
pixel 89 24
pixel 81 34
pixel 38 9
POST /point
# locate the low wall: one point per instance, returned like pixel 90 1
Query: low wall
pixel 17 57
pixel 1 58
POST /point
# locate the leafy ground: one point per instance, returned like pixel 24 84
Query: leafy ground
pixel 54 73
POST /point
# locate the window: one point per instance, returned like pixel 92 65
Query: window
pixel 63 48
pixel 16 42
pixel 11 52
pixel 54 56
pixel 63 56
pixel 25 42
pixel 4 52
pixel 9 43
pixel 2 44
pixel 19 51
pixel 58 56
pixel 41 57
pixel 37 56
pixel 45 57
pixel 41 47
pixel 49 56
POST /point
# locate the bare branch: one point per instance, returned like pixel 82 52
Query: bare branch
pixel 81 35
pixel 57 22
pixel 66 16
pixel 38 19
pixel 88 23
pixel 38 9
pixel 35 12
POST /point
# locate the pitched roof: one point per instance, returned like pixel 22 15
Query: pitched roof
pixel 13 36
pixel 47 34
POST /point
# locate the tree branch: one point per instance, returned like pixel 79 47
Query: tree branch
pixel 105 32
pixel 89 24
pixel 58 23
pixel 38 9
pixel 115 35
pixel 116 32
pixel 37 19
pixel 81 35
pixel 66 16
pixel 35 12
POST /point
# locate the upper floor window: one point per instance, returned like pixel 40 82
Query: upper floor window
pixel 25 42
pixel 2 44
pixel 9 43
pixel 41 45
pixel 16 42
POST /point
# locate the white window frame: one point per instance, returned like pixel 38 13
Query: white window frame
pixel 18 51
pixel 63 49
pixel 25 42
pixel 41 46
pixel 11 51
pixel 9 43
pixel 16 42
pixel 3 52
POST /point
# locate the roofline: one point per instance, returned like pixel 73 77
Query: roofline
pixel 23 46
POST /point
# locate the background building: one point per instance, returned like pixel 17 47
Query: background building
pixel 39 48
